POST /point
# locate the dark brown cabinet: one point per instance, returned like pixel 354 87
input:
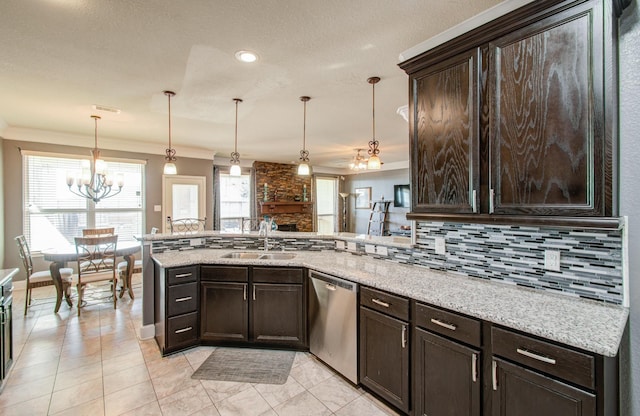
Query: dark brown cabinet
pixel 260 305
pixel 176 308
pixel 447 376
pixel 518 116
pixel 384 346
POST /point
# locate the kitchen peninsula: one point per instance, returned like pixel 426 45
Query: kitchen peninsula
pixel 576 330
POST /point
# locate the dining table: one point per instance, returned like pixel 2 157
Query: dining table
pixel 60 256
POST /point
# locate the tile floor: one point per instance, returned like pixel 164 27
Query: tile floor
pixel 95 365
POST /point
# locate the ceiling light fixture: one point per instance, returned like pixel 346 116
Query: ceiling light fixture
pixel 235 169
pixel 170 164
pixel 246 56
pixel 374 161
pixel 303 167
pixel 94 183
pixel 358 162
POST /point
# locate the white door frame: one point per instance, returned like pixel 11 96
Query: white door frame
pixel 167 195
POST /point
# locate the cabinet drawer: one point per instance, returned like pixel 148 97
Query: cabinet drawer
pixel 182 329
pixel 225 273
pixel 384 302
pixel 182 299
pixel 181 275
pixel 277 275
pixel 450 324
pixel 561 362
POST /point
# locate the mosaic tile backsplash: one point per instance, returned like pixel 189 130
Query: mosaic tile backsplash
pixel 590 260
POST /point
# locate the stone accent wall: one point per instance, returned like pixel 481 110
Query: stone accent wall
pixel 283 184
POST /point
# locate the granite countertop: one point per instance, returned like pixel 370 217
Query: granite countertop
pixel 590 325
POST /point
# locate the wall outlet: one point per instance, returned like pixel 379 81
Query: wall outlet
pixel 370 249
pixel 382 250
pixel 195 242
pixel 552 260
pixel 339 245
pixel 351 246
pixel 440 246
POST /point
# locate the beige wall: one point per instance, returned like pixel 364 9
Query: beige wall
pixel 11 187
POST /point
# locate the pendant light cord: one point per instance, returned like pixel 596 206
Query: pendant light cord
pixel 304 126
pixel 235 146
pixel 169 95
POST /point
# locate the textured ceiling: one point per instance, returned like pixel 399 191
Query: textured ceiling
pixel 60 57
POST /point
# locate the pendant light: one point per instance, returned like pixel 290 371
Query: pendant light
pixel 235 169
pixel 303 167
pixel 94 183
pixel 374 161
pixel 170 157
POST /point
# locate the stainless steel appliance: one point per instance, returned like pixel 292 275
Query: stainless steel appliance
pixel 333 323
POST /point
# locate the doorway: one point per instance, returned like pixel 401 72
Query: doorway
pixel 326 204
pixel 183 197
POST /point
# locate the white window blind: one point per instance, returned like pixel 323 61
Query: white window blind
pixel 53 215
pixel 235 201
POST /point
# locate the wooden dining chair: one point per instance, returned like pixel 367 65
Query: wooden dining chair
pixel 41 278
pixel 96 263
pixel 98 232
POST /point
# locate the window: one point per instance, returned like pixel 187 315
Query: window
pixel 235 202
pixel 54 216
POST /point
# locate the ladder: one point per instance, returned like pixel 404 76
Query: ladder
pixel 378 218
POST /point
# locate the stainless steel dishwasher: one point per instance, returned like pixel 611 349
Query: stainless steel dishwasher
pixel 333 323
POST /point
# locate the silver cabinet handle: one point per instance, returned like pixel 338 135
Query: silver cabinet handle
pixel 404 336
pixel 254 293
pixel 379 302
pixel 492 195
pixel 180 276
pixel 244 292
pixel 330 287
pixel 180 331
pixel 438 322
pixel 474 205
pixel 474 367
pixel 535 356
pixel 494 374
pixel 184 299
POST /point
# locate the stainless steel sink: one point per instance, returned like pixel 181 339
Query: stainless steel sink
pixel 241 255
pixel 277 256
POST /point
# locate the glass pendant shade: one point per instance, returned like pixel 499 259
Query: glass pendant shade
pixel 304 169
pixel 235 170
pixel 170 169
pixel 373 163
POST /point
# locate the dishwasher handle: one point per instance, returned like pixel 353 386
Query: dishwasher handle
pixel 336 282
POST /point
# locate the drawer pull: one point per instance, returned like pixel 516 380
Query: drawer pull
pixel 180 331
pixel 254 293
pixel 535 356
pixel 184 299
pixel 474 367
pixel 244 292
pixel 494 374
pixel 182 275
pixel 438 322
pixel 379 302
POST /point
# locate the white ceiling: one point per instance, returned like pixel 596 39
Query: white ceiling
pixel 60 57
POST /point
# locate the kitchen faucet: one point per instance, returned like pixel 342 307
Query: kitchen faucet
pixel 265 226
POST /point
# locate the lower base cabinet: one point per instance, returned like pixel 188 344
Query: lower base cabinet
pixel 225 311
pixel 384 347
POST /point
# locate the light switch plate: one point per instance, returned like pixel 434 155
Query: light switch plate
pixel 440 246
pixel 552 260
pixel 351 246
pixel 157 208
pixel 339 245
pixel 382 250
pixel 370 249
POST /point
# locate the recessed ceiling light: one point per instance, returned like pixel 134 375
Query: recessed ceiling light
pixel 246 56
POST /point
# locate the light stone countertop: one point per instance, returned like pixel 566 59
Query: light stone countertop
pixel 593 326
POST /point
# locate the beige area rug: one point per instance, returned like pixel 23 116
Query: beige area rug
pixel 246 365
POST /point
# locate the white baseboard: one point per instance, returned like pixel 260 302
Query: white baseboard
pixel 147 332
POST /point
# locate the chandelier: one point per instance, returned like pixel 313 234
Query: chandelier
pixel 303 167
pixel 235 169
pixel 358 162
pixel 94 183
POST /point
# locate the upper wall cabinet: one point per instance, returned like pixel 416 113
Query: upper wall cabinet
pixel 518 118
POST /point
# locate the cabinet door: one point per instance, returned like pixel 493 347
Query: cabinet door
pixel 384 357
pixel 521 392
pixel 278 315
pixel 444 127
pixel 447 380
pixel 224 311
pixel 547 125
